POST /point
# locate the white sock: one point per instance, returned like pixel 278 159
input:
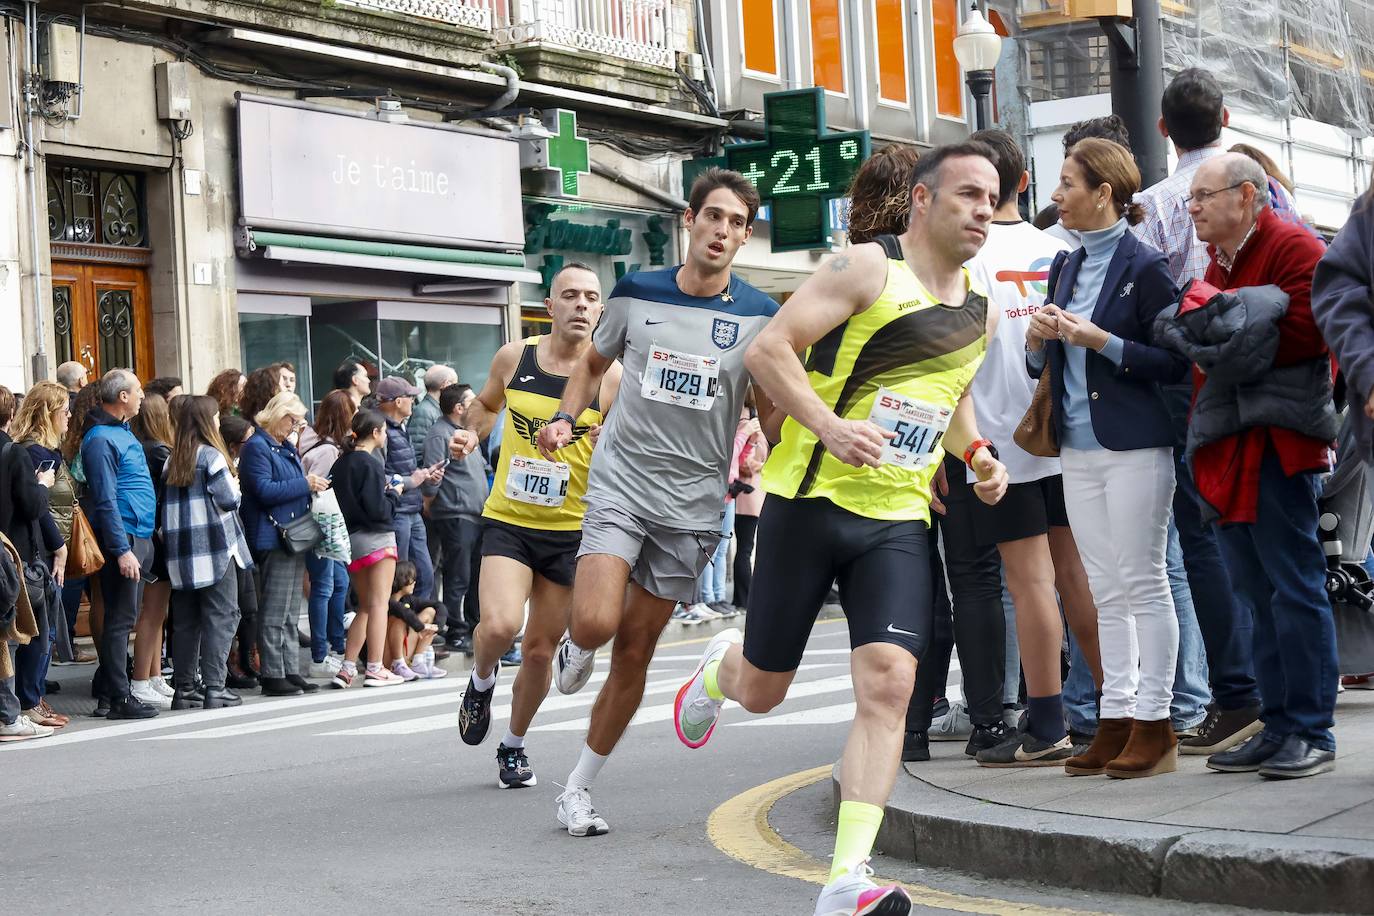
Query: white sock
pixel 418 661
pixel 139 685
pixel 588 765
pixel 484 683
pixel 512 740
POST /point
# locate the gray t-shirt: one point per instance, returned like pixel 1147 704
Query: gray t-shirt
pixel 665 453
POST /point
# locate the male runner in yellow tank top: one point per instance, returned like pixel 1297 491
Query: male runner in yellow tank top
pixel 532 522
pixel 895 334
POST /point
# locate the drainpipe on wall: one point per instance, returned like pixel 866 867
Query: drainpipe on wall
pixel 512 84
pixel 634 184
pixel 40 356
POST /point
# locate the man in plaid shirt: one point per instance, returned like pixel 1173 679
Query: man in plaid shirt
pixel 1194 115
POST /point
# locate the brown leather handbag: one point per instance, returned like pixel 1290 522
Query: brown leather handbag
pixel 84 557
pixel 1035 432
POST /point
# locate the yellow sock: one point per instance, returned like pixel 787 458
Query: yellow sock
pixel 712 685
pixel 854 835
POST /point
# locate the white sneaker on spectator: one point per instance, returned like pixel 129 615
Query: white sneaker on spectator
pixel 23 729
pixel 144 692
pixel 700 613
pixel 160 684
pixel 953 725
pixel 322 670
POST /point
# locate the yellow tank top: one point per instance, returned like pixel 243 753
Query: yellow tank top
pixel 908 342
pixel 532 397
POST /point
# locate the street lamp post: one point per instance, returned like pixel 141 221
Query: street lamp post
pixel 977 48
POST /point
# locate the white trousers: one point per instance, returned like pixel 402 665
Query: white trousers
pixel 1119 505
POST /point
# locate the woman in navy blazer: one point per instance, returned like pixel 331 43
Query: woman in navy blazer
pixel 276 490
pixel 1116 449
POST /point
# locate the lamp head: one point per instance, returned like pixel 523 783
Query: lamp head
pixel 977 46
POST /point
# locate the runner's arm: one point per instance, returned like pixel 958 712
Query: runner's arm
pixel 610 386
pixel 963 430
pixel 770 417
pixel 482 412
pixel 841 287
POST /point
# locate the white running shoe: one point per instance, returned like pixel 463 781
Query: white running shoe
pixel 160 684
pixel 23 729
pixel 572 667
pixel 321 670
pixel 855 894
pixel 575 812
pixel 704 611
pixel 694 711
pixel 143 691
pixel 953 725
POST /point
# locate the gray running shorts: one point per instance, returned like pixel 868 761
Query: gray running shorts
pixel 665 561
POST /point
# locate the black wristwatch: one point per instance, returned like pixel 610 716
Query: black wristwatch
pixel 560 415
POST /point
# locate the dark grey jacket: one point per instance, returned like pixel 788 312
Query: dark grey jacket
pixel 1233 337
pixel 463 491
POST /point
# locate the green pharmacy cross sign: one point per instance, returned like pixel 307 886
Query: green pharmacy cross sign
pixel 567 151
pixel 799 167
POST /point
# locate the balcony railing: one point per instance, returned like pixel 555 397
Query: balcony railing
pixel 475 14
pixel 637 30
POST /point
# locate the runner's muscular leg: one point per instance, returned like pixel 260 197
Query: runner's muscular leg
pixel 598 600
pixel 756 690
pixel 549 607
pixel 635 642
pixel 502 588
pixel 883 676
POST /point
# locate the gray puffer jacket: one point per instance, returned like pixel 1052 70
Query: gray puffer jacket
pixel 1233 337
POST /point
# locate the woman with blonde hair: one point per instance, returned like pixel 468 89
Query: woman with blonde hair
pixel 39 425
pixel 276 492
pixel 1116 448
pixel 205 550
pixel 153 428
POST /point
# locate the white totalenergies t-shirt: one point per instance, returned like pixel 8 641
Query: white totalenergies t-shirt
pixel 1013 266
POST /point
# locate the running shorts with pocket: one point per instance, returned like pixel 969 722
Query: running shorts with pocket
pixel 802 547
pixel 664 561
pixel 1027 510
pixel 551 554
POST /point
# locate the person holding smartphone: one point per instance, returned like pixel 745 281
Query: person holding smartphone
pixel 39 426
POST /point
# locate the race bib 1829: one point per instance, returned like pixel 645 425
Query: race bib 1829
pixel 536 481
pixel 681 379
pixel 918 428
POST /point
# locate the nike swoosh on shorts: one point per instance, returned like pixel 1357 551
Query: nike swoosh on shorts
pixel 892 629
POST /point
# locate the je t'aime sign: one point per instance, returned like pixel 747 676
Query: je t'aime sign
pixel 339 173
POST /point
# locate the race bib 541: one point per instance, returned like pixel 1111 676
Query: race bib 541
pixel 918 428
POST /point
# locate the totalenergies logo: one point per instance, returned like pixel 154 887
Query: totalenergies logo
pixel 1030 280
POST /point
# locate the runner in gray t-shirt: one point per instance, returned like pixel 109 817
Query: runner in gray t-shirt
pixel 656 492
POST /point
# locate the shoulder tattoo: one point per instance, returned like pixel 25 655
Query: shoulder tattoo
pixel 839 263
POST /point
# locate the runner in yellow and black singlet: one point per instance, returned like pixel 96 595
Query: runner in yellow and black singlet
pixel 531 525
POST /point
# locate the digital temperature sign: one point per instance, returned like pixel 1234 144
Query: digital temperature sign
pixel 799 167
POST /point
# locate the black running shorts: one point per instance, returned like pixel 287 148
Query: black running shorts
pixel 1027 510
pixel 551 554
pixel 803 546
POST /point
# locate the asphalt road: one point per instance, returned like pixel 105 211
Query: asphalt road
pixel 367 801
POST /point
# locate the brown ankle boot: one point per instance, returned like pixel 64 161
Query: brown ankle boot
pixel 1152 750
pixel 1108 743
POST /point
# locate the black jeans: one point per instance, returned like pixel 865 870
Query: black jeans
pixel 122 597
pixel 1226 625
pixel 975 622
pixel 746 527
pixel 458 539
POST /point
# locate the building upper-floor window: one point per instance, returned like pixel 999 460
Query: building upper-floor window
pixel 760 31
pixel 827 45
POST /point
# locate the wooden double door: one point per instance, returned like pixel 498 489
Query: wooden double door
pixel 101 317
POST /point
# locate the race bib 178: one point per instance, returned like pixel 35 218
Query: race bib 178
pixel 536 481
pixel 681 379
pixel 918 427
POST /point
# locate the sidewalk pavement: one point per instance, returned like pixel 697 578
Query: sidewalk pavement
pixel 1304 845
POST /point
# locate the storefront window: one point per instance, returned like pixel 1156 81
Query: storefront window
pixel 266 339
pixel 334 341
pixel 411 347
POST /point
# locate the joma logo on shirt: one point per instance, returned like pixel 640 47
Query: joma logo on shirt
pixel 908 305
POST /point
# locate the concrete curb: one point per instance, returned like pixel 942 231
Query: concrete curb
pixel 940 828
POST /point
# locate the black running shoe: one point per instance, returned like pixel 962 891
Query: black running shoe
pixel 985 737
pixel 1023 749
pixel 474 716
pixel 513 768
pixel 915 747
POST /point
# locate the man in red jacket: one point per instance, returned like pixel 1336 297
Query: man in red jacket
pixel 1264 482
